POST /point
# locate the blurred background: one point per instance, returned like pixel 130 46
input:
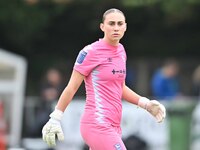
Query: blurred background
pixel 40 40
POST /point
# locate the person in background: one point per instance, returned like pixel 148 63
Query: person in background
pixel 164 83
pixel 51 86
pixel 50 90
pixel 102 66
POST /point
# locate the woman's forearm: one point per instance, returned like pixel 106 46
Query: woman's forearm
pixel 130 96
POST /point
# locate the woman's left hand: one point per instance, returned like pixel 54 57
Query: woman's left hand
pixel 157 110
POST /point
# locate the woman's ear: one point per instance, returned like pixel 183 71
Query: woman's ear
pixel 102 27
pixel 126 27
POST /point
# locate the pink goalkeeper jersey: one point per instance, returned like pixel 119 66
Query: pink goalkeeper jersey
pixel 104 68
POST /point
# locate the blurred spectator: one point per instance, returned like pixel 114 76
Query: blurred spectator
pixel 51 88
pixel 196 82
pixel 164 84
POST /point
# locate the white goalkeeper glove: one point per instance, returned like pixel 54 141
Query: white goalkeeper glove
pixel 155 108
pixel 53 129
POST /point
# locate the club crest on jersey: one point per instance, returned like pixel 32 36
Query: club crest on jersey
pixel 81 57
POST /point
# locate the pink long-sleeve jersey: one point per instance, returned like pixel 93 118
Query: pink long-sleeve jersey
pixel 104 68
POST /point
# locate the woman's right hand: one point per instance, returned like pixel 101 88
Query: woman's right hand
pixel 53 129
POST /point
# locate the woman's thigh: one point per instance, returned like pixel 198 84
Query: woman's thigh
pixel 102 137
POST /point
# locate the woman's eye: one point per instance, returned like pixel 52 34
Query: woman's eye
pixel 120 23
pixel 112 23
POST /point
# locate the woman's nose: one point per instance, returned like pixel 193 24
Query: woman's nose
pixel 116 27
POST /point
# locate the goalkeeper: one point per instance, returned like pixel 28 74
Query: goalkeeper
pixel 102 66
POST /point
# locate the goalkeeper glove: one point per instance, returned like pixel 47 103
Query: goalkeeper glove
pixel 53 128
pixel 155 108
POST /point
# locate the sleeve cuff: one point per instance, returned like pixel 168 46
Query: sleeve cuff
pixel 143 101
pixel 56 114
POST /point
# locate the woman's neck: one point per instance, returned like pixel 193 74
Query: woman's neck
pixel 110 42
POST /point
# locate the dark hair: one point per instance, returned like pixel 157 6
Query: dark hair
pixel 170 62
pixel 112 10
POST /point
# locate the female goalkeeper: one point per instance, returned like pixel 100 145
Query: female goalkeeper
pixel 102 66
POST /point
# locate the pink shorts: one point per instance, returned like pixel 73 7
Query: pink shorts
pixel 102 137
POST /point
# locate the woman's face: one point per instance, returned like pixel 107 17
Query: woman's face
pixel 113 27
